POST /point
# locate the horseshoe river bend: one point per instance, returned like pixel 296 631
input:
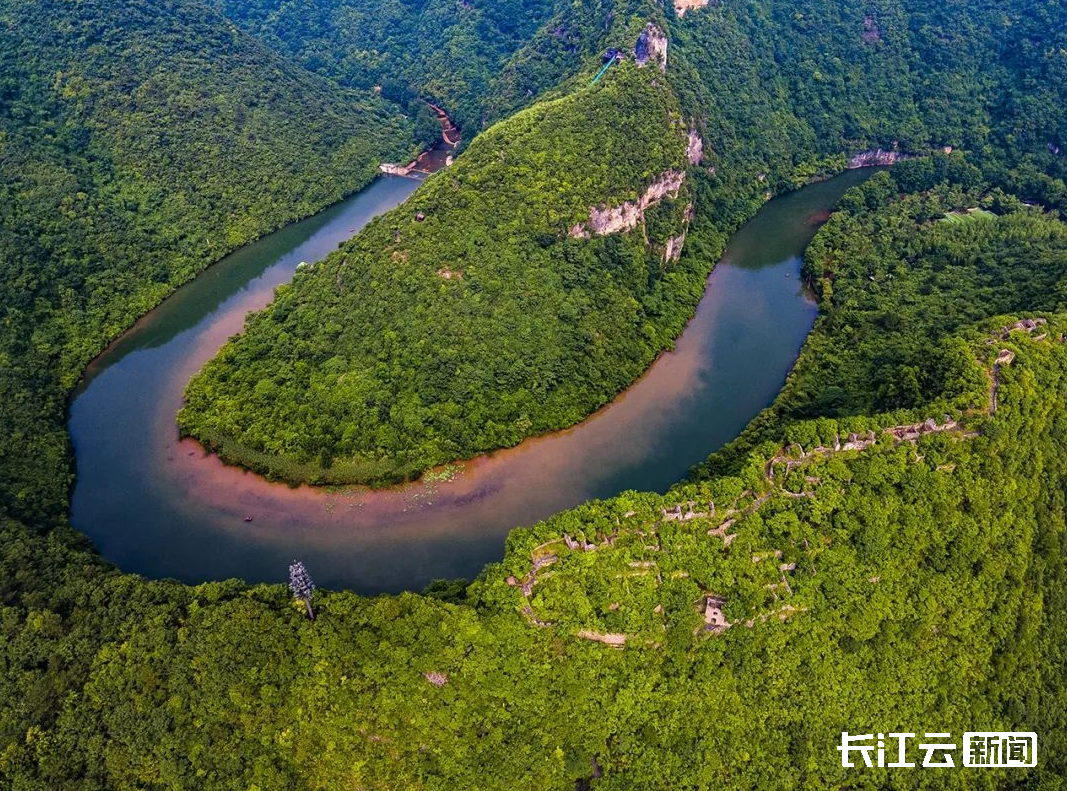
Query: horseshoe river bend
pixel 161 507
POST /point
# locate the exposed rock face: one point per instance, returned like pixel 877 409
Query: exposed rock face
pixel 876 156
pixel 578 231
pixel 604 220
pixel 667 184
pixel 1026 325
pixel 695 148
pixel 627 216
pixel 673 250
pixel 394 170
pixel 681 6
pixel 651 46
pixel 714 619
pixel 616 219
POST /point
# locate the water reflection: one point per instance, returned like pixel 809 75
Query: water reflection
pixel 159 506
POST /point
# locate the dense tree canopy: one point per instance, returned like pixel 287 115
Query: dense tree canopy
pixel 381 371
pixel 471 316
pixel 882 550
pixel 722 635
pixel 139 142
pixel 897 277
pixel 436 49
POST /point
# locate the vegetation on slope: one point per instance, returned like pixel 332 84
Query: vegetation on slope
pixel 474 315
pixel 108 681
pixel 441 50
pixel 895 278
pixel 894 586
pixel 377 383
pixel 139 142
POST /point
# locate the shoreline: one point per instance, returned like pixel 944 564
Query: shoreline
pixel 430 160
pixel 88 369
pixel 155 505
pixel 234 455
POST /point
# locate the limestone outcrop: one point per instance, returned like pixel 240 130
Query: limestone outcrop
pixel 873 157
pixel 672 251
pixel 651 47
pixel 682 6
pixel 604 220
pixel 694 149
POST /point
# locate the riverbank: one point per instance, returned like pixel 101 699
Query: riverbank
pixel 450 138
pixel 164 508
pixel 287 463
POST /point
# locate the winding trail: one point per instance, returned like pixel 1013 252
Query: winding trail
pixel 719 522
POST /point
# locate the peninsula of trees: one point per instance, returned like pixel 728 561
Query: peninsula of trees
pixel 525 287
pixel 883 549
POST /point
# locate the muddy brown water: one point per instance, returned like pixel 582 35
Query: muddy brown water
pixel 161 507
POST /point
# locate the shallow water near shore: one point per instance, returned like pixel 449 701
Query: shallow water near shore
pixel 161 507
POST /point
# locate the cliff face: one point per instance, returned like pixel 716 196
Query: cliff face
pixel 694 151
pixel 604 220
pixel 874 157
pixel 651 47
pixel 672 251
pixel 683 6
pixel 630 215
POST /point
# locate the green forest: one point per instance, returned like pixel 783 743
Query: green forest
pixel 882 549
pixel 448 52
pixel 140 143
pixel 890 299
pixel 372 370
pixel 469 317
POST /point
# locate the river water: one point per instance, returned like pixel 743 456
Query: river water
pixel 161 507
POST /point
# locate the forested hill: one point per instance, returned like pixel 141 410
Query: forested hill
pixel 880 572
pixel 540 271
pixel 883 551
pixel 908 260
pixel 447 51
pixel 772 94
pixel 829 73
pixel 139 142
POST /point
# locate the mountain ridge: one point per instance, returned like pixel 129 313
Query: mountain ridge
pixel 928 581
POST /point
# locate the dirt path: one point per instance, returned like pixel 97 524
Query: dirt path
pixel 748 502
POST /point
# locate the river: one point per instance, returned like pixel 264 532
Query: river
pixel 161 507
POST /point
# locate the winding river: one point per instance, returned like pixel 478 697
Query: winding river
pixel 160 507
